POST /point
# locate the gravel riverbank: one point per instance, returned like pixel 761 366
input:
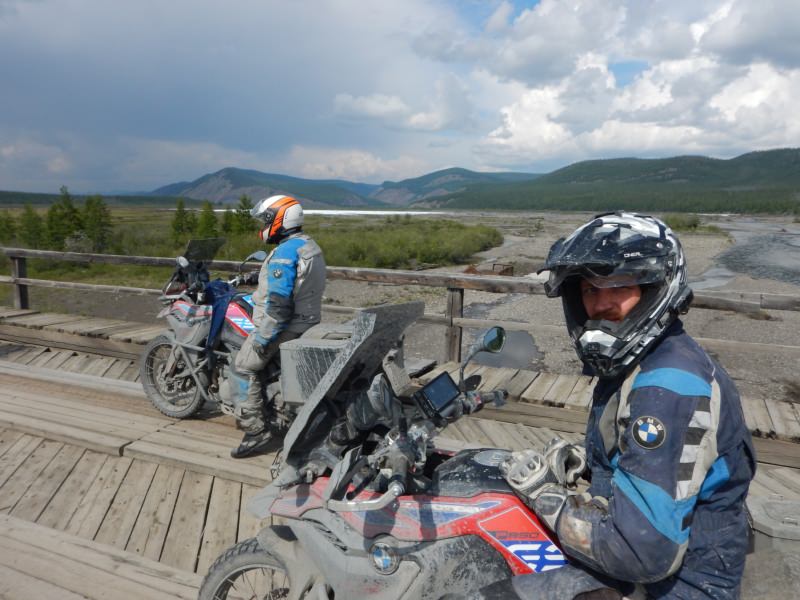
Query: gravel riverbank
pixel 764 374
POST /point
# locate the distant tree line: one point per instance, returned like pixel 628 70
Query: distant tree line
pixel 187 224
pixel 68 226
pixel 65 226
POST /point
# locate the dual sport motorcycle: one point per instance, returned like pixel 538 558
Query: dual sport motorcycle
pixel 369 505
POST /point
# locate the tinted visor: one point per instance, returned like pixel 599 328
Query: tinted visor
pixel 635 272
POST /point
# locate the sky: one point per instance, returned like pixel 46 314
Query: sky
pixel 108 96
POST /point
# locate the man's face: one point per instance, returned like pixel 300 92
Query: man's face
pixel 609 303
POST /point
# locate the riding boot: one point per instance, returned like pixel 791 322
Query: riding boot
pixel 252 443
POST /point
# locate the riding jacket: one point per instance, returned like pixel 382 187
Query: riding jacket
pixel 290 288
pixel 671 460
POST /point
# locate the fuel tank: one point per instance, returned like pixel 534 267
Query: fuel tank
pixel 238 320
pixel 469 473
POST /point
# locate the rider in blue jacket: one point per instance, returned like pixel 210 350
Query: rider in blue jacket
pixel 669 456
pixel 288 302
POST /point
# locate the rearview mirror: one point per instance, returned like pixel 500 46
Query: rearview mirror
pixel 259 255
pixel 182 262
pixel 494 339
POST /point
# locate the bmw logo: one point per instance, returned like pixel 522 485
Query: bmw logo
pixel 648 432
pixel 385 559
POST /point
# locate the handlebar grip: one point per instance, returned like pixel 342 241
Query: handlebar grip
pixel 475 401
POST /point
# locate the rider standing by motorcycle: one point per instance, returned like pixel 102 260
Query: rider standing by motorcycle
pixel 287 302
pixel 669 456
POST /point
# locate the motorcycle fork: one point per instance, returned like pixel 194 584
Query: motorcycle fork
pixel 194 370
pixel 304 580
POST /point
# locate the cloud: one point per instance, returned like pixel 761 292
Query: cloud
pixel 498 21
pixel 542 44
pixel 764 30
pixel 449 108
pixel 31 160
pixel 100 95
pixel 351 164
pixel 374 106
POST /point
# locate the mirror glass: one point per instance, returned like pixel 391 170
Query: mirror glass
pixel 494 339
pixel 182 262
pixel 259 256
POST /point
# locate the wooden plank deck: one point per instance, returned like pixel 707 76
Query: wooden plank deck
pixel 768 419
pixel 40 562
pixel 122 339
pixel 772 420
pixel 169 493
pixel 176 515
pixel 558 402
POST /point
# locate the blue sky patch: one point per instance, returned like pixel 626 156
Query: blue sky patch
pixel 626 71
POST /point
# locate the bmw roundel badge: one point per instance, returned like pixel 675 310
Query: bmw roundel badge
pixel 648 432
pixel 276 273
pixel 385 559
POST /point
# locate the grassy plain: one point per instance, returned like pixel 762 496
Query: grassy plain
pixel 364 241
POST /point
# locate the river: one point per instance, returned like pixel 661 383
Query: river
pixel 763 248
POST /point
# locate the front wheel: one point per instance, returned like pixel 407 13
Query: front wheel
pixel 174 393
pixel 246 571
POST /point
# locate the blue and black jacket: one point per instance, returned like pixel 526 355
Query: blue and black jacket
pixel 290 288
pixel 671 460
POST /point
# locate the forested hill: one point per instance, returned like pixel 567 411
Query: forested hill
pixel 766 181
pixel 230 184
pixel 762 169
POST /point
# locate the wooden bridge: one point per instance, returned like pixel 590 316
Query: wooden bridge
pixel 101 496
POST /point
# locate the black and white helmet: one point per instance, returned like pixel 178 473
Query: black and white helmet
pixel 613 250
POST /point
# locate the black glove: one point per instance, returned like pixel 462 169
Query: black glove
pixel 566 461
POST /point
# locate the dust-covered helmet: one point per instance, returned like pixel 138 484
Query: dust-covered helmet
pixel 612 250
pixel 282 216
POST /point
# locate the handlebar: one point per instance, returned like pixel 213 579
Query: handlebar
pixel 400 454
pixel 474 401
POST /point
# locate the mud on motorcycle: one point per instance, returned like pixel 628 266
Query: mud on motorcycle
pixel 370 503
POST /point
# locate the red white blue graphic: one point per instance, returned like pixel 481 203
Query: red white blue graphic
pixel 441 513
pixel 539 556
pixel 239 319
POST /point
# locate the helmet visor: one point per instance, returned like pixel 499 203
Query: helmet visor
pixel 634 272
pixel 267 216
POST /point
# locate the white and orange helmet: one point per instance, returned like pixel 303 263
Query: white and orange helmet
pixel 281 215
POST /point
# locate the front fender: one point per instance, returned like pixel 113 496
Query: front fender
pixel 280 542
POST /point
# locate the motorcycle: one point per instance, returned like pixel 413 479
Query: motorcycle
pixel 208 321
pixel 182 368
pixel 368 502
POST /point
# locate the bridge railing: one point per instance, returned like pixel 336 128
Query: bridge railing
pixel 455 284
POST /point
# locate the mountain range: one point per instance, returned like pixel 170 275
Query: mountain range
pixel 461 188
pixel 229 184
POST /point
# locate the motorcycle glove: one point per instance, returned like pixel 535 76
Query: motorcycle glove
pixel 566 461
pixel 549 503
pixel 526 471
pixel 529 475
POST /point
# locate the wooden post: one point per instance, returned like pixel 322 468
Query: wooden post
pixel 19 269
pixel 455 310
